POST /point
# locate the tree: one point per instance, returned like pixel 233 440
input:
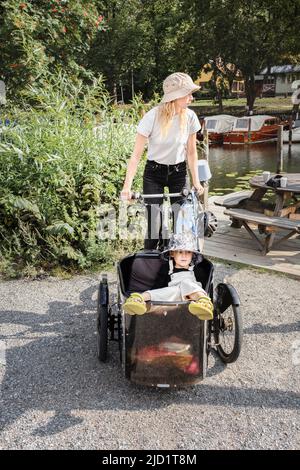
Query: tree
pixel 146 40
pixel 116 52
pixel 43 35
pixel 267 32
pixel 205 42
pixel 245 36
pixel 141 40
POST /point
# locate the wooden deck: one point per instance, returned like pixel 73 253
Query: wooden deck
pixel 236 245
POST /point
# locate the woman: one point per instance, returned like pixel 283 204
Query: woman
pixel 170 129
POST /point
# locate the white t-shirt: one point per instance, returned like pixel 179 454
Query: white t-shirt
pixel 171 148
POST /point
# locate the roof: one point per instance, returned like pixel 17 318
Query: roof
pixel 221 122
pixel 282 69
pixel 221 117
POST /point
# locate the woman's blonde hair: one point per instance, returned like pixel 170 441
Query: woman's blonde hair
pixel 166 112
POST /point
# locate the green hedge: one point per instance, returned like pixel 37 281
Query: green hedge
pixel 65 153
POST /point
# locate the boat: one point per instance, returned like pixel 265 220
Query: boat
pixel 295 133
pixel 253 129
pixel 216 126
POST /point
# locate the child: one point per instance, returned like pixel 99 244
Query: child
pixel 183 284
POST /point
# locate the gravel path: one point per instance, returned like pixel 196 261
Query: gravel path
pixel 56 395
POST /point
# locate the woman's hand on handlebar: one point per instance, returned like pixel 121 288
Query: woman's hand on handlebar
pixel 199 189
pixel 126 195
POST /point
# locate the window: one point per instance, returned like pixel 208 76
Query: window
pixel 211 124
pixel 242 124
pixel 238 86
pixel 270 80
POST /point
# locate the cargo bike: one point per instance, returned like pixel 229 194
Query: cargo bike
pixel 167 346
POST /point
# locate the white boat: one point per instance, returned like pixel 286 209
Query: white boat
pixel 217 125
pixel 253 129
pixel 295 133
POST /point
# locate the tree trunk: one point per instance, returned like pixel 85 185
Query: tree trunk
pixel 218 92
pixel 115 93
pixel 250 91
pixel 220 100
pixel 112 88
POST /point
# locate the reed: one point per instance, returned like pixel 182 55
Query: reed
pixel 64 154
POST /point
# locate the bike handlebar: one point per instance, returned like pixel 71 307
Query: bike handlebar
pixel 185 192
pixel 135 195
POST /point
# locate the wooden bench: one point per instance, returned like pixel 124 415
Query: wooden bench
pixel 246 217
pixel 233 199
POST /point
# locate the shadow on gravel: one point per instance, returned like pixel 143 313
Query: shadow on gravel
pixel 259 328
pixel 55 370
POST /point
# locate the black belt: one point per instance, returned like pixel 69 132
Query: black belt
pixel 162 165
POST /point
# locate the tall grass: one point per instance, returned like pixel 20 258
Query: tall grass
pixel 66 152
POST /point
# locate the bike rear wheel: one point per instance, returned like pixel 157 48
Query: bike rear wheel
pixel 228 333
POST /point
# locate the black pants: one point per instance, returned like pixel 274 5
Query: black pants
pixel 156 177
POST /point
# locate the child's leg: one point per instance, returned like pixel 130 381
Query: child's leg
pixel 196 295
pixel 136 303
pixel 146 295
pixel 165 294
pixel 191 290
pixel 200 305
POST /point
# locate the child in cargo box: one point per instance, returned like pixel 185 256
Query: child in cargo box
pixel 183 284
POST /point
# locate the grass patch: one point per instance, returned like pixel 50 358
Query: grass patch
pixel 232 106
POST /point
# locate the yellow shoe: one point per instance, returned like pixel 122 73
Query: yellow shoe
pixel 202 308
pixel 135 304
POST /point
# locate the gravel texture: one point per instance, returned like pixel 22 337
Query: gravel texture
pixel 56 395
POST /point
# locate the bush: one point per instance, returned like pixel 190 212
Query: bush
pixel 65 154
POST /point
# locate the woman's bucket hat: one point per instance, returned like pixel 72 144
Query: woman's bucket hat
pixel 177 85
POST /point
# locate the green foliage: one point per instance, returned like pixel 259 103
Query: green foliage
pixel 136 43
pixel 43 35
pixel 139 45
pixel 236 35
pixel 60 160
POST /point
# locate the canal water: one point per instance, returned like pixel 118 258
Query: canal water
pixel 232 166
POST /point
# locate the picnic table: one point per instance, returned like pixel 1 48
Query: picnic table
pixel 248 209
